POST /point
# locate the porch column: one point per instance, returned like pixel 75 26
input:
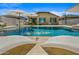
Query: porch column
pixel 57 21
pixel 37 20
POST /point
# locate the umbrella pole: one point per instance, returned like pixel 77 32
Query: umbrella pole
pixel 65 19
pixel 37 39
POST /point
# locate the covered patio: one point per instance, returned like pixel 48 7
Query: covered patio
pixel 71 16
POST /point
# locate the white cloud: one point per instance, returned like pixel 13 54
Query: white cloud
pixel 58 13
pixel 48 10
pixel 5 11
pixel 43 9
pixel 7 5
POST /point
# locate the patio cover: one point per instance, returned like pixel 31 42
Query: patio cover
pixel 74 8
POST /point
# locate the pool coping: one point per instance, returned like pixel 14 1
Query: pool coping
pixel 15 27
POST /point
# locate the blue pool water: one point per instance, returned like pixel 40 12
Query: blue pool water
pixel 42 31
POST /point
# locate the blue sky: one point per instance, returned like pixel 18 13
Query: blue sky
pixel 36 7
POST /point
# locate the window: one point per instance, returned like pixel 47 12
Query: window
pixel 33 20
pixel 42 19
pixel 53 20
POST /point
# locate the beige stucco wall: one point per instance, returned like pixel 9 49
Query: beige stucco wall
pixel 8 21
pixel 69 21
pixel 47 16
pixel 11 21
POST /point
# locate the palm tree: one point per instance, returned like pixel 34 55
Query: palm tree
pixel 19 15
pixel 16 13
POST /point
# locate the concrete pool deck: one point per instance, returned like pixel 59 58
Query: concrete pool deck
pixel 40 39
pixel 37 50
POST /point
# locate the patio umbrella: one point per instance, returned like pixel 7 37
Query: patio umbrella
pixel 66 42
pixel 9 42
pixel 58 45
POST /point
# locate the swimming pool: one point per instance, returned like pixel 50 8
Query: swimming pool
pixel 42 31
